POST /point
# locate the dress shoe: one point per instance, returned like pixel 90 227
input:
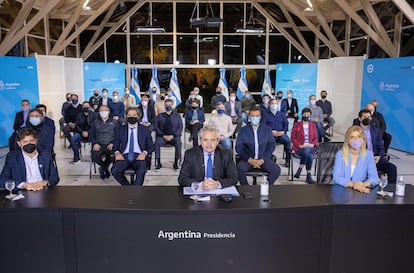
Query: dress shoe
pixel 175 166
pixel 158 164
pixel 107 173
pixel 309 179
pixel 287 164
pixel 326 139
pixel 297 174
pixel 101 173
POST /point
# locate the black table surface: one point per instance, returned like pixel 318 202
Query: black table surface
pixel 165 198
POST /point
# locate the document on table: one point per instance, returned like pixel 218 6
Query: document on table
pixel 228 190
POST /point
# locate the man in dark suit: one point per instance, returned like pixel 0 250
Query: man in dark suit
pixel 209 164
pixel 42 171
pixel 379 121
pixel 45 137
pixel 48 121
pixel 20 121
pixel 290 106
pixel 148 112
pixel 70 116
pixel 234 110
pixel 194 119
pixel 255 145
pixel 376 145
pixel 132 145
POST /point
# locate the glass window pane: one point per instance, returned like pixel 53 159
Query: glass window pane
pixel 358 47
pixel 209 49
pixel 233 16
pixel 233 49
pixel 163 49
pixel 140 17
pixel 140 49
pixel 187 49
pixel 278 50
pixel 116 48
pixel 297 57
pixel 97 55
pixel 162 15
pixel 255 49
pixel 184 12
pixel 209 10
pixel 37 46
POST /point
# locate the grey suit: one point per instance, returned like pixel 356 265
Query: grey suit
pixel 238 109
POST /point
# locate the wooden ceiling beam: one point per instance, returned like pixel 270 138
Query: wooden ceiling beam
pixel 310 56
pixel 405 8
pixel 20 18
pixel 102 39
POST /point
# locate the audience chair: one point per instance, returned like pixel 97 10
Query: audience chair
pixel 294 155
pixel 326 160
pixel 131 174
pixel 256 172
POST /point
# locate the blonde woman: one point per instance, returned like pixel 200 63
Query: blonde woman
pixel 355 165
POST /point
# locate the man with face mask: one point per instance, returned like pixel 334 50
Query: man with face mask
pixel 264 106
pixel 101 136
pixel 376 145
pixel 48 121
pixel 223 124
pixel 45 136
pixel 194 119
pixel 81 130
pixel 160 104
pixel 317 118
pixel 198 96
pixel 218 97
pixel 95 100
pixel 189 100
pixel 128 99
pixel 255 145
pixel 290 106
pixel 117 108
pixel 233 110
pixel 132 146
pixel 247 102
pixel 20 121
pixel 171 97
pixel 147 113
pixel 168 127
pixel 29 168
pixel 326 107
pixel 70 116
pixel 105 99
pixel 379 122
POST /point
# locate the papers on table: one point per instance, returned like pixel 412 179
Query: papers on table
pixel 229 190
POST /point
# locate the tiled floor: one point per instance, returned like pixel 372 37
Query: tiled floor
pixel 79 174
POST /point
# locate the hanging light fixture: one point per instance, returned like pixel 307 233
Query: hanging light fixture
pixel 148 27
pixel 207 21
pixel 250 26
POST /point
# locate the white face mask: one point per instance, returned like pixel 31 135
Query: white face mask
pixel 289 95
pixel 312 102
pixel 104 114
pixel 115 97
pixel 232 98
pixel 144 103
pixel 127 92
pixel 105 95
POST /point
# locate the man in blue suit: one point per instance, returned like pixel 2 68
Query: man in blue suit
pixel 376 145
pixel 194 119
pixel 132 145
pixel 255 145
pixel 42 171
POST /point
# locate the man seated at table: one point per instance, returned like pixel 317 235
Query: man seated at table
pixel 28 168
pixel 132 145
pixel 209 164
pixel 255 145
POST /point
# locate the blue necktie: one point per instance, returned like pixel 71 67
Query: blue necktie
pixel 209 172
pixel 131 146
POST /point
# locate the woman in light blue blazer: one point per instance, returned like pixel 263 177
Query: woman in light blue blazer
pixel 354 165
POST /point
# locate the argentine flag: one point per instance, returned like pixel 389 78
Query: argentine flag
pixel 175 87
pixel 134 86
pixel 242 87
pixel 154 82
pixel 267 84
pixel 223 83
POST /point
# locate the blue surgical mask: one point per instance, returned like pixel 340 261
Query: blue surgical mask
pixel 255 121
pixel 74 102
pixel 168 108
pixel 220 111
pixel 273 107
pixel 35 121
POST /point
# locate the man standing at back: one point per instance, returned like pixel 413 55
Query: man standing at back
pixel 326 107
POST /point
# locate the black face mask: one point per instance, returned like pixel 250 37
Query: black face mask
pixel 162 97
pixel 96 95
pixel 194 107
pixel 305 118
pixel 85 110
pixel 366 121
pixel 29 148
pixel 323 97
pixel 132 120
pixel 68 99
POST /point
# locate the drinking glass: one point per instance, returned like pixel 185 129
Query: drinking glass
pixel 10 184
pixel 195 186
pixel 383 183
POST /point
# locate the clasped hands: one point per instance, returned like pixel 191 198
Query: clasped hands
pixel 35 186
pixel 255 163
pixel 360 186
pixel 209 184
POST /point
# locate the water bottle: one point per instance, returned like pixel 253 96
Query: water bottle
pixel 400 187
pixel 264 189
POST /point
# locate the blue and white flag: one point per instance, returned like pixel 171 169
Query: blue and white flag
pixel 175 87
pixel 242 87
pixel 267 84
pixel 223 83
pixel 154 83
pixel 134 87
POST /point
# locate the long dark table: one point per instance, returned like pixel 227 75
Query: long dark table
pixel 304 228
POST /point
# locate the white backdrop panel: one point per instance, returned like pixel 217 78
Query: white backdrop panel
pixel 74 77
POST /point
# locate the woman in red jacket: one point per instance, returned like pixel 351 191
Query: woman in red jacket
pixel 305 140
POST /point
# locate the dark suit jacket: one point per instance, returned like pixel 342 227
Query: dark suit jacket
pixel 51 123
pixel 176 121
pixel 237 108
pixel 150 112
pixel 193 169
pixel 245 142
pixel 189 115
pixel 144 139
pixel 294 108
pixel 18 120
pixel 15 169
pixel 377 142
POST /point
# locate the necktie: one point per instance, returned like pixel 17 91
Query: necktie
pixel 131 146
pixel 209 171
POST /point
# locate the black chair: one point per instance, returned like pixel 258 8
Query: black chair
pixel 326 160
pixel 131 174
pixel 295 155
pixel 255 173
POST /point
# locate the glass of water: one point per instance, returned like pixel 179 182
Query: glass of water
pixel 195 186
pixel 383 183
pixel 10 184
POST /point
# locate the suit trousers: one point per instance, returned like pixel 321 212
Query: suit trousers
pixel 389 169
pixel 285 140
pixel 268 166
pixel 194 129
pixel 139 166
pixel 176 142
pixel 103 152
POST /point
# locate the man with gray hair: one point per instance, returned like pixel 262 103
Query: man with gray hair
pixel 218 168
